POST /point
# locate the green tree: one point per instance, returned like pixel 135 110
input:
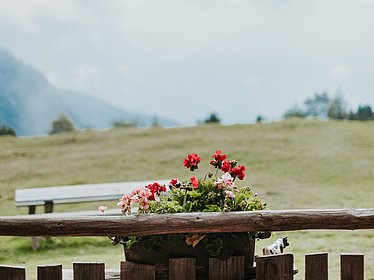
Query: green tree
pixel 337 108
pixel 213 118
pixel 364 113
pixel 318 105
pixel 62 124
pixel 259 119
pixel 7 130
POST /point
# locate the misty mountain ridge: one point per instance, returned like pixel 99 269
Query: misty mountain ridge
pixel 29 103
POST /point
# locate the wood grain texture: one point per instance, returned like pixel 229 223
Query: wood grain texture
pixel 149 224
pixel 275 267
pixel 88 271
pixel 316 266
pixel 182 269
pixel 134 271
pixel 12 273
pixel 352 266
pixel 47 272
pixel 231 269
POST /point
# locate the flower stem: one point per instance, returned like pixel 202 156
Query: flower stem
pixel 185 199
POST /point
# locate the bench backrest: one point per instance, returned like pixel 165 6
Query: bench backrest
pixel 77 193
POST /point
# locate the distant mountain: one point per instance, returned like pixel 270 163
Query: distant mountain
pixel 29 103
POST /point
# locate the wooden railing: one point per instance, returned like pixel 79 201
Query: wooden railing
pixel 268 267
pixel 152 224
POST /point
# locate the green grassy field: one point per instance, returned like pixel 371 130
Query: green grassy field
pixel 292 164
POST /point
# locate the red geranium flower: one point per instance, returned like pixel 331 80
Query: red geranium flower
pixel 194 182
pixel 226 166
pixel 192 161
pixel 218 159
pixel 156 190
pixel 174 183
pixel 238 172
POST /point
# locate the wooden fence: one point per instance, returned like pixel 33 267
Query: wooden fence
pixel 276 267
pixel 267 267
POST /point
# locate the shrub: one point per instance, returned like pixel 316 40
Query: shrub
pixel 62 124
pixel 7 130
pixel 213 118
pixel 122 123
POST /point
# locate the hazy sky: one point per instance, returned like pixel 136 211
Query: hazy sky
pixel 185 59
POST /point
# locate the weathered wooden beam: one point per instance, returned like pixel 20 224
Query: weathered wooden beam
pixel 151 224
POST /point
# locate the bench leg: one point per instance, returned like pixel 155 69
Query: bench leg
pixel 48 208
pixel 34 239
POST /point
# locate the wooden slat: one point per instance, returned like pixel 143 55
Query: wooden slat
pixel 274 267
pixel 182 269
pixel 48 272
pixel 12 273
pixel 150 224
pixel 77 193
pixel 134 271
pixel 88 271
pixel 231 269
pixel 316 266
pixel 352 266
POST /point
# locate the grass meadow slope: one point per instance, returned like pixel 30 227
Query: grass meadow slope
pixel 291 164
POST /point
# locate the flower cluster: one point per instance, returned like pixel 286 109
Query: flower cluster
pixel 212 193
pixel 230 166
pixel 141 196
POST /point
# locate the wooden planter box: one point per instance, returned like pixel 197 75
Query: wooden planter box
pixel 160 259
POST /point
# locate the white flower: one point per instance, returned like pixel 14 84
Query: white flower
pixel 102 209
pixel 225 181
pixel 229 194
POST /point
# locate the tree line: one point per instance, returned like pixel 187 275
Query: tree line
pixel 321 105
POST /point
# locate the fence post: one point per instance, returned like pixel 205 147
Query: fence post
pixel 182 269
pixel 316 266
pixel 229 269
pixel 274 267
pixel 12 273
pixel 88 271
pixel 134 271
pixel 352 266
pixel 46 272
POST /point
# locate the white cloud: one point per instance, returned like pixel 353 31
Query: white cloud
pixel 253 80
pixel 340 71
pixel 26 15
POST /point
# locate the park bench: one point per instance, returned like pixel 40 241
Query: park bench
pixel 49 196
